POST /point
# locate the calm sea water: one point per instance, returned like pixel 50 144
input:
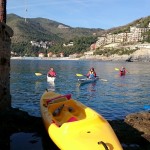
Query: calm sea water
pixel 114 99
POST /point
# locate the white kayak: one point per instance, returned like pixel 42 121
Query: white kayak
pixel 50 79
pixel 88 80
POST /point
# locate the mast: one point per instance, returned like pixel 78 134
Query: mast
pixel 3 11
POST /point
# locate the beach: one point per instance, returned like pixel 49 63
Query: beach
pixel 44 58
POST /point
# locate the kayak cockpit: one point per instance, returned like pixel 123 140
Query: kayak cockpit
pixel 65 111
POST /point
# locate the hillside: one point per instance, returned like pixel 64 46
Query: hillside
pixel 44 29
pixel 142 23
pixel 30 30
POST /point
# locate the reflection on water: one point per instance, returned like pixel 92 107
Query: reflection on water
pixel 25 141
pixel 51 86
pixel 38 85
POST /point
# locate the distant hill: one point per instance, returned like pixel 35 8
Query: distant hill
pixel 142 22
pixel 44 29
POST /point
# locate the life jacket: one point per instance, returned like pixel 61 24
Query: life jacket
pixel 122 72
pixel 91 76
pixel 51 74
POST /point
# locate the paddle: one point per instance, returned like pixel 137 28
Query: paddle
pixel 80 75
pixel 38 74
pixel 117 69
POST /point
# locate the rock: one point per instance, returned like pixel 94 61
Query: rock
pixel 143 54
pixel 141 122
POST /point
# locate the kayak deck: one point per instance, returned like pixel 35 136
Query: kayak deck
pixel 72 125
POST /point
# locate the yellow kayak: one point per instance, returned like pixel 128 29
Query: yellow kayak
pixel 74 126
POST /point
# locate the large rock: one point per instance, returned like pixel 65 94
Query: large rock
pixel 143 54
pixel 141 122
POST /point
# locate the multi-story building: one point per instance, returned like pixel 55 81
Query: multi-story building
pixel 134 35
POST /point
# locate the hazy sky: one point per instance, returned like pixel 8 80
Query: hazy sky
pixel 103 14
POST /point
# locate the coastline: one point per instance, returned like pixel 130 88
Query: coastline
pixel 113 58
pixel 44 58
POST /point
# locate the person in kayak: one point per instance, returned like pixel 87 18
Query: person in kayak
pixel 91 74
pixel 51 73
pixel 123 71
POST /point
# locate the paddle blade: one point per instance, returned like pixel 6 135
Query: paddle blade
pixel 104 80
pixel 117 69
pixel 38 74
pixel 79 75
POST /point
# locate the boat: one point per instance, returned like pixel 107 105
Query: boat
pixel 88 80
pixel 73 126
pixel 50 79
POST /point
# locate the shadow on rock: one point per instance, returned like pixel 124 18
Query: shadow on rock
pixel 129 137
pixel 17 121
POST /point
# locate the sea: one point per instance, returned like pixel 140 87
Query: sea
pixel 113 96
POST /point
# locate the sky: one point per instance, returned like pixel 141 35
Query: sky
pixel 104 14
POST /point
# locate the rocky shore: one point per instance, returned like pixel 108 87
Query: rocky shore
pixel 141 55
pixel 133 132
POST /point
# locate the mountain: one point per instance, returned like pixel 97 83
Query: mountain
pixel 141 22
pixel 29 29
pixel 42 29
pixel 45 29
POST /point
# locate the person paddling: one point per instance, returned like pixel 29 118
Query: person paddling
pixel 91 74
pixel 51 73
pixel 123 71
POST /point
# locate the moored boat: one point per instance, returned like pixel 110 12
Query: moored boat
pixel 74 126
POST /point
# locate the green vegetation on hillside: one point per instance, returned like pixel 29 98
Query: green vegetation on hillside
pixel 111 51
pixel 142 23
pixel 146 37
pixel 80 45
pixel 41 29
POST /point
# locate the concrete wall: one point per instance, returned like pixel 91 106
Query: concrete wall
pixel 5 42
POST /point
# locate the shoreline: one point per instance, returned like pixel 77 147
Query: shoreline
pixel 44 58
pixel 114 58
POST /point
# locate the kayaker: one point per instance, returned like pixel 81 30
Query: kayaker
pixel 91 74
pixel 123 71
pixel 51 73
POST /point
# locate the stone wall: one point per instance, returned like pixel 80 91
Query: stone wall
pixel 5 42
